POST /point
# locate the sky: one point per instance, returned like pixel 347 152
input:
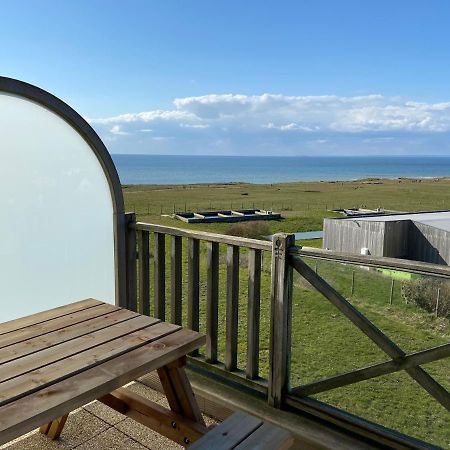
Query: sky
pixel 228 77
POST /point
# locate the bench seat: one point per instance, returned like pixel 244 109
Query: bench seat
pixel 243 432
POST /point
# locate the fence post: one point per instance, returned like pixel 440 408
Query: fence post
pixel 438 297
pixel 131 256
pixel 280 318
pixel 353 282
pixel 391 295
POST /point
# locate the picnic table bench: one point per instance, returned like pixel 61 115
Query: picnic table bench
pixel 244 432
pixel 58 360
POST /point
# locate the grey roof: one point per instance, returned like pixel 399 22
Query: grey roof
pixel 436 219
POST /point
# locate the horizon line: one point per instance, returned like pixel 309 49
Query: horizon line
pixel 418 155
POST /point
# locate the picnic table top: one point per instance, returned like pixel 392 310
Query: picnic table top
pixel 55 361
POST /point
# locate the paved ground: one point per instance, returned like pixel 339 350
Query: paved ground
pixel 97 427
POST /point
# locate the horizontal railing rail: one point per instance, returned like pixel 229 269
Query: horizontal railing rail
pixel 256 244
pixel 418 267
pixel 221 254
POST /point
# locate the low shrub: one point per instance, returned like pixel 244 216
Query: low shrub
pixel 254 230
pixel 424 293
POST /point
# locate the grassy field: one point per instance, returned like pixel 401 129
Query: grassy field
pixel 303 205
pixel 323 341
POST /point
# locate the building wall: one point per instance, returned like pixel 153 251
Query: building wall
pixel 429 244
pixel 396 238
pixel 351 235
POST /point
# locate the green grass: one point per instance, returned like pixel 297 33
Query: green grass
pixel 324 342
pixel 303 205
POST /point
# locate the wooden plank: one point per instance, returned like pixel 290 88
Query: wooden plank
pixel 44 428
pixel 69 333
pixel 57 323
pixel 280 319
pixel 168 423
pixel 204 236
pixel 54 428
pixel 212 300
pixel 267 437
pixel 370 330
pixel 144 273
pixel 52 373
pixel 232 317
pixel 193 284
pixel 33 319
pixel 179 392
pixel 229 433
pixel 131 257
pixel 423 268
pixel 160 276
pixel 30 412
pixel 176 278
pixel 435 389
pixel 253 313
pixel 169 391
pixel 313 434
pixel 48 340
pixel 376 370
pixel 59 352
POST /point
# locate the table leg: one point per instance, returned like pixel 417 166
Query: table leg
pixel 53 429
pixel 176 427
pixel 183 423
pixel 178 390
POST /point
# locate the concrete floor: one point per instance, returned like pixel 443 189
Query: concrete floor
pixel 97 427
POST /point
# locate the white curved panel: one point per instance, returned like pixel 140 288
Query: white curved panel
pixel 56 222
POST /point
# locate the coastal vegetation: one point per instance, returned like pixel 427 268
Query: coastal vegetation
pixel 323 341
pixel 254 230
pixel 303 205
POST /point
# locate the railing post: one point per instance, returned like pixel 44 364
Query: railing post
pixel 131 255
pixel 160 275
pixel 144 272
pixel 212 300
pixel 280 318
pixel 176 291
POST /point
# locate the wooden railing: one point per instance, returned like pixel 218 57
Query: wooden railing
pixel 286 258
pixel 139 293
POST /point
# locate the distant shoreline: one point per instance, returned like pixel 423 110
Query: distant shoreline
pixel 370 180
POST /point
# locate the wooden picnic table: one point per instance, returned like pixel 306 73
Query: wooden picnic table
pixel 58 360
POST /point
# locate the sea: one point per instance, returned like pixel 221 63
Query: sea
pixel 164 169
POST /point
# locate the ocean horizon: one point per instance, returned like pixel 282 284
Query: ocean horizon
pixel 187 169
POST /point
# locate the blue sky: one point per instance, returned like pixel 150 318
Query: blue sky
pixel 234 77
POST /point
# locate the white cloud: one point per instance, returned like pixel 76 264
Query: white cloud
pixel 161 138
pixel 257 121
pixel 117 130
pixel 377 140
pixel 144 117
pixel 194 125
pixel 287 127
pixel 292 113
